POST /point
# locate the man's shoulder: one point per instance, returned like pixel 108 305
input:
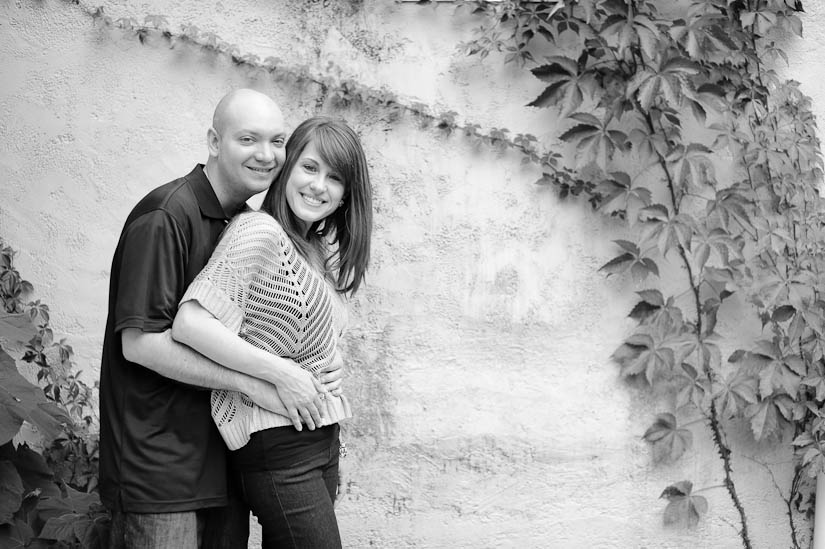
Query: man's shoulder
pixel 175 198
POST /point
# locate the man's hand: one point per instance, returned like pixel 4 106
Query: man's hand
pixel 265 395
pixel 341 491
pixel 333 374
pixel 301 394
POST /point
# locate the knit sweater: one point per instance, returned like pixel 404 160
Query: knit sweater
pixel 258 285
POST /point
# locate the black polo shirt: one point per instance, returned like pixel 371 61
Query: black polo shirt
pixel 159 449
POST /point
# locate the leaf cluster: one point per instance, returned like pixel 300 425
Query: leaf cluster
pixel 673 94
pixel 48 499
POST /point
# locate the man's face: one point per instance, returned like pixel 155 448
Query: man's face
pixel 250 148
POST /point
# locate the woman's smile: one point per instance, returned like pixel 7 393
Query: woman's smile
pixel 312 200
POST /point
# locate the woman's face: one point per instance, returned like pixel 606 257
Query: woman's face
pixel 314 190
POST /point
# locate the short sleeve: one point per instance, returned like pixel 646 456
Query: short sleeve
pixel 152 273
pixel 250 247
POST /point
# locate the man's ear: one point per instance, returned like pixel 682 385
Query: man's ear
pixel 212 141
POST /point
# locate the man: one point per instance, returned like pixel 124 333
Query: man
pixel 162 461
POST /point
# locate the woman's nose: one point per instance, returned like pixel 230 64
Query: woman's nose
pixel 318 183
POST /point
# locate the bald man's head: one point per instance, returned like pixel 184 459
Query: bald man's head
pixel 243 98
pixel 246 146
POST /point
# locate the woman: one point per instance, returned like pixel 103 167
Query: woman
pixel 277 279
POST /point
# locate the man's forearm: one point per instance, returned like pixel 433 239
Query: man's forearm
pixel 162 354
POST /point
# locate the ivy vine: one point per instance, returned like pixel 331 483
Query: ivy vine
pixel 343 91
pixel 49 497
pixel 673 93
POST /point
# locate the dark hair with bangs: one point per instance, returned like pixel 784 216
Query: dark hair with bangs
pixel 349 226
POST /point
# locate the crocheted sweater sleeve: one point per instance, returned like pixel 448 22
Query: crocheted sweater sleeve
pixel 252 244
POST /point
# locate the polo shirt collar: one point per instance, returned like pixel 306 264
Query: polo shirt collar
pixel 205 194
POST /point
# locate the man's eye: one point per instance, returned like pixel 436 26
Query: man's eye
pixel 279 142
pixel 246 140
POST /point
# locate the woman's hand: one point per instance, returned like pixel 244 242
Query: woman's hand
pixel 333 374
pixel 301 394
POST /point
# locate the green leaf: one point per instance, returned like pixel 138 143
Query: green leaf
pixel 669 442
pixel 683 507
pixel 645 353
pixel 578 132
pixel 683 65
pixel 643 267
pixel 692 388
pixel 34 471
pixel 62 528
pixel 735 394
pixel 777 376
pixel 76 502
pixel 654 297
pixel 638 266
pixel 729 205
pixel 764 418
pixel 643 310
pixel 11 491
pixel 595 141
pixel 667 81
pixel 621 196
pixel 649 145
pixel 618 264
pixel 629 28
pixel 21 400
pixel 17 535
pixel 817 381
pixel 691 166
pixel 568 86
pixel 803 439
pixel 560 68
pixel 17 328
pixel 814 460
pixel 665 232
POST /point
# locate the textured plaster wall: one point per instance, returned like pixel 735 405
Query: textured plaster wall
pixel 488 412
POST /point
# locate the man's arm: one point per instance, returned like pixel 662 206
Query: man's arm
pixel 165 356
pixel 300 392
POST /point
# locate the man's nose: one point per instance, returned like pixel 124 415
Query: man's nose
pixel 266 152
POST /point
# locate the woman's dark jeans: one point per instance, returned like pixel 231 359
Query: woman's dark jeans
pixel 289 480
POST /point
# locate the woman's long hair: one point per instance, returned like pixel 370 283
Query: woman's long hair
pixel 350 226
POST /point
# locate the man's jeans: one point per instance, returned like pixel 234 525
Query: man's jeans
pixel 289 480
pixel 154 530
pixel 214 528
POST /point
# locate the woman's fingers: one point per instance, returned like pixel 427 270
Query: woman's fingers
pixel 296 419
pixel 311 416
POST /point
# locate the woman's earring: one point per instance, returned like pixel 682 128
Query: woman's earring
pixel 340 203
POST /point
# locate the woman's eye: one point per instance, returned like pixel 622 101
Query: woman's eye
pixel 309 168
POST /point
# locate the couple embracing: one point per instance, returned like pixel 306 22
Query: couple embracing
pixel 221 381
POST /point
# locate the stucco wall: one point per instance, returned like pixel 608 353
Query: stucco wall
pixel 488 412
